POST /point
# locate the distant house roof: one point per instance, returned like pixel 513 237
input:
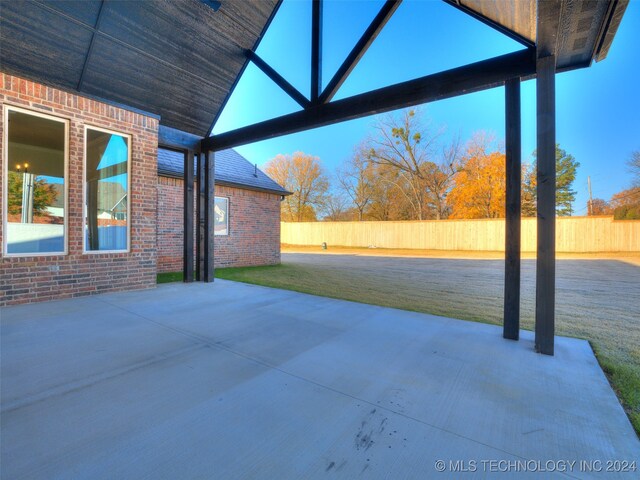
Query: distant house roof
pixel 231 169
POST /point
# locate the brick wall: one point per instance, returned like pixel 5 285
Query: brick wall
pixel 170 224
pixel 254 227
pixel 35 278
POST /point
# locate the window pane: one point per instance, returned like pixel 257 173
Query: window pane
pixel 106 176
pixel 221 221
pixel 35 185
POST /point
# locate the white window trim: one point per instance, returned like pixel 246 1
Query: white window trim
pixel 5 182
pixel 84 191
pixel 228 216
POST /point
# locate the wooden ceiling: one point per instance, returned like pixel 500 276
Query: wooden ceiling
pixel 585 27
pixel 178 59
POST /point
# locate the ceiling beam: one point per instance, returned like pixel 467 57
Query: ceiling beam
pixel 177 139
pixel 458 81
pixel 495 25
pixel 548 27
pixel 367 38
pixel 316 50
pixel 244 67
pixel 90 50
pixel 278 79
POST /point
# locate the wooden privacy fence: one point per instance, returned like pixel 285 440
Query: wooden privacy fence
pixel 573 234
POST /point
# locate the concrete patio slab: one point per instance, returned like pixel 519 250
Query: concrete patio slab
pixel 228 380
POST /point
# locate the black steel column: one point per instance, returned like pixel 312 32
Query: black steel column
pixel 546 201
pixel 209 205
pixel 200 217
pixel 187 255
pixel 511 326
pixel 316 50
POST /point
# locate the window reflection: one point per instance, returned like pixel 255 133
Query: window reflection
pixel 221 216
pixel 107 191
pixel 35 184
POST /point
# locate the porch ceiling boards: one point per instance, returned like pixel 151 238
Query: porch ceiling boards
pixel 176 59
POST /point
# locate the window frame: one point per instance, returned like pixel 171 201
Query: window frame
pixel 228 217
pixel 5 181
pixel 85 212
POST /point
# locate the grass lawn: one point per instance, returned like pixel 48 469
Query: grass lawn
pixel 169 277
pixel 596 300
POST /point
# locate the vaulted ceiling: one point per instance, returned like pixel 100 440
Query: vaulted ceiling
pixel 180 59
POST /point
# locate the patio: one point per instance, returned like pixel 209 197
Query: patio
pixel 227 380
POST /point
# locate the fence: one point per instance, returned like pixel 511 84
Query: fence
pixel 573 234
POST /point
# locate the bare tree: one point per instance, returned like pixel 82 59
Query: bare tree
pixel 356 179
pixel 336 207
pixel 634 168
pixel 388 198
pixel 406 143
pixel 304 176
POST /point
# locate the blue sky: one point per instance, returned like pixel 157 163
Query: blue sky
pixel 598 109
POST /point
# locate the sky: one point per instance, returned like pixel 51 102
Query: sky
pixel 597 108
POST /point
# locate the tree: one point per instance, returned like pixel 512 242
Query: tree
pixel 566 168
pixel 599 207
pixel 336 208
pixel 44 195
pixel 356 179
pixel 304 176
pixel 387 200
pixel 634 168
pixel 407 144
pixel 479 188
pixel 529 190
pixel 626 204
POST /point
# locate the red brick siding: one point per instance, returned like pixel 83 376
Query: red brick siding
pixel 36 278
pixel 170 224
pixel 254 227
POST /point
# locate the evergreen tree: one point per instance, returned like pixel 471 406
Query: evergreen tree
pixel 566 169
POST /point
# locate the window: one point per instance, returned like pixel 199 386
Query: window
pixel 221 221
pixel 106 177
pixel 35 183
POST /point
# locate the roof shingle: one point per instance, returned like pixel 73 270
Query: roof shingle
pixel 231 168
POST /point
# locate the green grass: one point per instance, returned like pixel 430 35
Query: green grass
pixel 591 303
pixel 169 277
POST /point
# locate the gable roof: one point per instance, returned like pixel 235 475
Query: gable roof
pixel 231 169
pixel 175 59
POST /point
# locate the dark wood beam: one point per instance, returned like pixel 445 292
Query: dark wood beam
pixel 367 38
pixel 546 201
pixel 175 139
pixel 548 27
pixel 90 50
pixel 513 150
pixel 548 24
pixel 495 25
pixel 458 81
pixel 278 79
pixel 200 217
pixel 244 67
pixel 316 50
pixel 209 212
pixel 187 255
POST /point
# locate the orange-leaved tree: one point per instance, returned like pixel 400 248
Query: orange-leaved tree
pixel 304 176
pixel 479 187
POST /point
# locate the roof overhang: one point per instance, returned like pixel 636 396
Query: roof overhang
pixel 585 28
pixel 175 59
